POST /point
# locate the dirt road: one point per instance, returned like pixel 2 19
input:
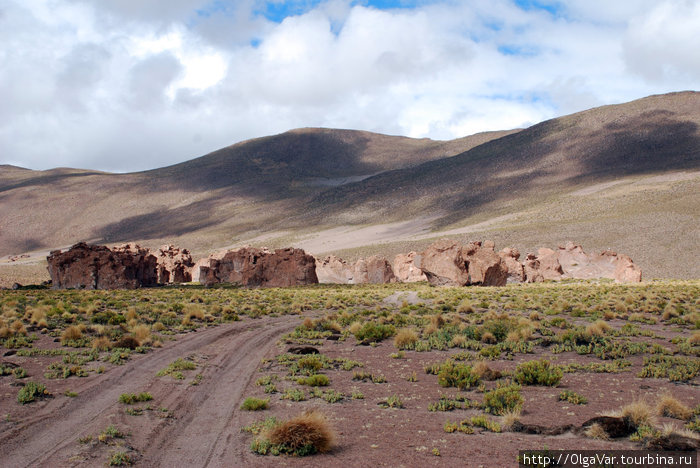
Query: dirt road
pixel 187 424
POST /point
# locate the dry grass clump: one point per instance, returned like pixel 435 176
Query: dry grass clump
pixel 465 307
pixel 309 429
pixel 510 418
pixel 458 341
pixel 535 316
pixel 354 327
pixel 193 311
pixel 488 338
pixel 484 372
pixel 142 334
pixel 158 326
pixel 308 323
pixel 639 413
pixel 71 333
pixel 609 315
pixel 596 431
pixel 669 312
pixel 17 328
pixel 694 340
pixel 669 406
pixel 101 343
pixel 405 338
pixel 598 328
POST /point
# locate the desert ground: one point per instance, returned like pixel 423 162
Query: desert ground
pixel 405 375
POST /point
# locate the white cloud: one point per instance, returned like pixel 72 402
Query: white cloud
pixel 129 85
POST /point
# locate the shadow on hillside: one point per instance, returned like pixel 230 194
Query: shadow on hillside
pixel 42 180
pixel 163 223
pixel 268 167
pixel 522 168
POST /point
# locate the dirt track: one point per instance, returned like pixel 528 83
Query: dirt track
pixel 200 428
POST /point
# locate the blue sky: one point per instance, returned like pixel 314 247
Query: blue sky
pixel 129 85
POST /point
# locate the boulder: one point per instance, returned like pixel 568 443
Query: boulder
pixel 484 265
pixel 85 266
pixel 516 271
pixel 550 269
pixel 204 262
pixel 626 271
pixel 334 270
pixel 578 264
pixel 251 267
pixel 445 262
pixel 442 264
pixel 406 270
pixel 531 268
pixel 373 270
pixel 174 265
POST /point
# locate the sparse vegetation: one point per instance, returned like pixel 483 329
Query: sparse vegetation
pixel 255 404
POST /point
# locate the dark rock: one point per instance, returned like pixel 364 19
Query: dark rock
pixel 303 350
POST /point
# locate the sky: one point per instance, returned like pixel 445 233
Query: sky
pixel 128 85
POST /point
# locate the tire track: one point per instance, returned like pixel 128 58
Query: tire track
pixel 47 438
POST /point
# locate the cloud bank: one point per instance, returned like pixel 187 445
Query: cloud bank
pixel 126 85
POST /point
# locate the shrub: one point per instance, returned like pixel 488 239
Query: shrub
pixel 372 332
pixel 572 397
pixel 394 401
pixel 306 434
pixel 30 392
pixel 255 404
pixel 127 342
pixel 538 373
pixel 317 380
pixel 638 413
pixel 503 399
pixel 72 333
pixel 669 406
pixel 102 343
pixel 120 459
pixel 453 374
pixel 131 398
pixel 309 363
pixel 406 338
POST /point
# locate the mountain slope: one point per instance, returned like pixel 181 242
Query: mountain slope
pixel 625 177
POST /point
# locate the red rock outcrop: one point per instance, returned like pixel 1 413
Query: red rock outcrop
pixel 85 266
pixel 174 265
pixel 516 271
pixel 249 266
pixel 406 270
pixel 550 268
pixel 445 262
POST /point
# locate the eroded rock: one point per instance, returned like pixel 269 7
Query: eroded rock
pixel 250 266
pixel 174 265
pixel 446 262
pixel 406 270
pixel 85 266
pixel 516 271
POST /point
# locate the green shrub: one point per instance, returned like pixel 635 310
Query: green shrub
pixel 317 380
pixel 458 375
pixel 572 397
pixel 30 392
pixel 503 399
pixel 255 404
pixel 538 373
pixel 131 398
pixel 372 332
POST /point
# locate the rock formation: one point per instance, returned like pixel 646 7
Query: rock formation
pixel 174 265
pixel 446 262
pixel 406 270
pixel 516 271
pixel 570 261
pixel 373 270
pixel 334 270
pixel 249 266
pixel 86 266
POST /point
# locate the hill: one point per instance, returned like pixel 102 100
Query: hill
pixel 624 177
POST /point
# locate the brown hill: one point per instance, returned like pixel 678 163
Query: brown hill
pixel 624 177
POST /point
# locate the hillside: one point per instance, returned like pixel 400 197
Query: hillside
pixel 625 177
